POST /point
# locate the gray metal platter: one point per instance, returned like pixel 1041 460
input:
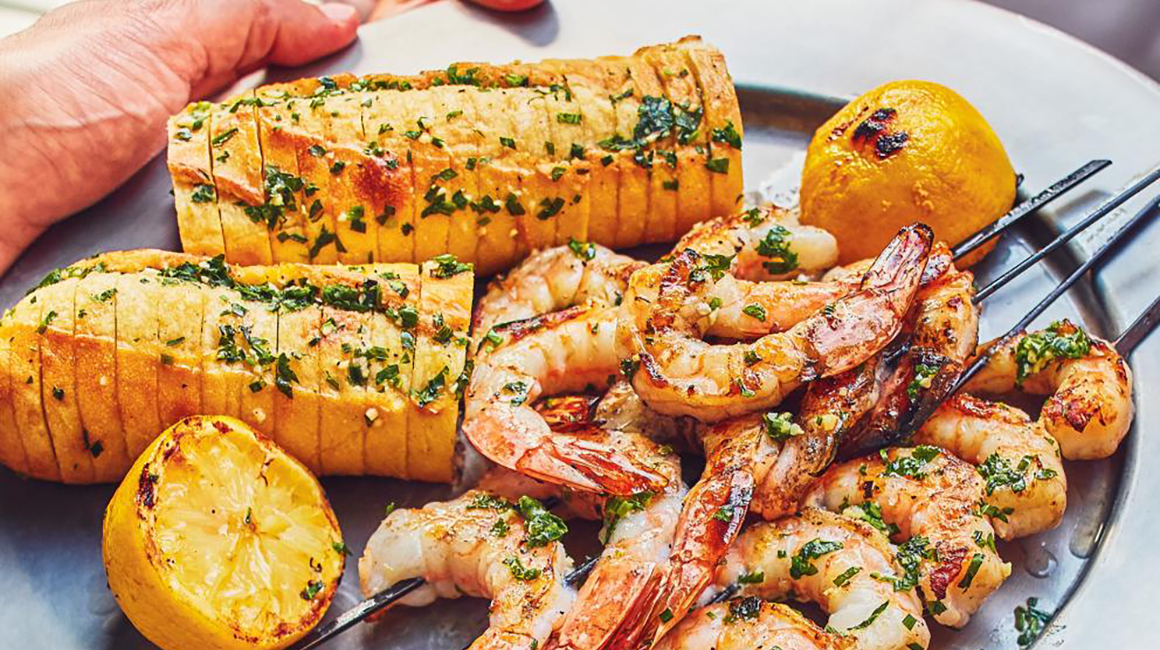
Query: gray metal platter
pixel 1055 103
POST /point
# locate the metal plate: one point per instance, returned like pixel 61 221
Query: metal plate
pixel 1055 103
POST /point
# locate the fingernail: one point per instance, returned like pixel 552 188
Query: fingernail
pixel 339 13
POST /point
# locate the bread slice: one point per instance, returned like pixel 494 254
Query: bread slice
pixel 390 370
pixel 59 385
pixel 95 342
pixel 238 178
pixel 437 379
pixel 194 192
pixel 26 321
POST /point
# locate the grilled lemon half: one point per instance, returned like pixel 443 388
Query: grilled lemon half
pixel 903 152
pixel 219 539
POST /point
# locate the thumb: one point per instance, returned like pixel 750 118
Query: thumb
pixel 306 32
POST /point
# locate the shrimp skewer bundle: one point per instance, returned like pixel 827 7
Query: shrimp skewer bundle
pixel 831 560
pixel 478 545
pixel 927 500
pixel 668 310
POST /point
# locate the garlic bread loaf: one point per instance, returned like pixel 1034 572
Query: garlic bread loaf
pixel 352 369
pixel 485 162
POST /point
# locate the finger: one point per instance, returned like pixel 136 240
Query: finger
pixel 306 32
pixel 509 5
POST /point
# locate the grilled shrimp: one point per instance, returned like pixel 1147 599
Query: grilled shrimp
pixel 638 537
pixel 1025 488
pixel 476 545
pixel 553 279
pixel 710 520
pixel 916 375
pixel 565 351
pixel 1089 410
pixel 764 243
pixel 831 560
pixel 808 446
pixel 748 624
pixel 929 500
pixel 638 533
pixel 679 374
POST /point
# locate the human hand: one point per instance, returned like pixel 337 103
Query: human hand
pixel 88 88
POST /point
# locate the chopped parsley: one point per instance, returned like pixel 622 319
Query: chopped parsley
pixel 776 247
pixel 922 377
pixel 519 571
pixel 542 527
pixel 311 590
pixel 716 266
pixel 203 193
pixel 752 578
pixel 549 208
pixel 972 569
pixel 909 465
pixel 873 617
pixel 871 513
pixel 1030 622
pixel 847 575
pixel 754 311
pixel 718 165
pixel 780 426
pixel 728 135
pixel 1061 340
pixel 489 502
pixel 801 562
pixel 617 508
pixel 584 250
pixel 448 265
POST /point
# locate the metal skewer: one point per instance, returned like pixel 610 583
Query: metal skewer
pixel 1067 235
pixel 1140 217
pixel 1056 190
pixel 1139 330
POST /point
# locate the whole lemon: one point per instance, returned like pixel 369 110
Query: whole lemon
pixel 906 151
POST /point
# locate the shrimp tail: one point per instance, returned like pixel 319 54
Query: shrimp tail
pixel 600 465
pixel 614 624
pixel 521 440
pixel 888 289
pixel 909 394
pixel 710 521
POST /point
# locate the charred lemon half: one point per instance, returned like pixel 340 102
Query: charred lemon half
pixel 906 151
pixel 219 539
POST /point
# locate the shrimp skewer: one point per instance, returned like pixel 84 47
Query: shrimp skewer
pixel 928 499
pixel 748 623
pixel 831 560
pixel 461 548
pixel 683 375
pixel 1089 410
